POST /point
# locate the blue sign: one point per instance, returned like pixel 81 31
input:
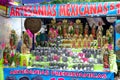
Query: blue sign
pixel 46 74
pixel 66 10
pixel 34 1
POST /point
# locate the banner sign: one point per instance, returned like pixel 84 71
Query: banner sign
pixel 66 10
pixel 45 74
pixel 34 1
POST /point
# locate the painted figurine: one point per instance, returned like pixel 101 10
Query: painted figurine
pixel 86 29
pixel 59 28
pixel 85 43
pixel 93 31
pixel 6 53
pixel 109 35
pixel 27 40
pixel 99 40
pixel 78 27
pixel 71 29
pixel 91 38
pixel 100 29
pixel 13 39
pixel 65 27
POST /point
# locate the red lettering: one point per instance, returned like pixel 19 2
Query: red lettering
pixel 67 9
pixel 60 78
pixel 54 10
pixel 42 72
pixel 44 10
pixel 47 72
pixel 104 76
pixel 80 11
pixel 99 9
pixel 105 8
pixel 112 6
pixel 34 11
pixel 52 79
pixel 62 10
pixel 118 7
pixel 12 11
pixel 77 10
pixel 61 73
pixel 49 11
pixel 36 72
pixel 86 9
pixel 72 11
pixel 93 9
pixel 40 11
pixel 66 73
pixel 17 12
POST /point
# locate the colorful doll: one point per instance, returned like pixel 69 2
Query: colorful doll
pixel 85 41
pixel 91 38
pixel 99 40
pixel 6 54
pixel 100 29
pixel 27 40
pixel 13 39
pixel 79 41
pixel 104 40
pixel 78 27
pixel 53 24
pixel 65 28
pixel 93 31
pixel 109 35
pixel 86 29
pixel 59 28
pixel 71 29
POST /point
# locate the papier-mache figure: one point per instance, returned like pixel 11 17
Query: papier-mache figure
pixel 99 40
pixel 13 40
pixel 26 40
pixel 59 28
pixel 43 35
pixel 78 27
pixel 85 41
pixel 86 30
pixel 109 36
pixel 6 54
pixel 93 31
pixel 71 29
pixel 65 28
pixel 91 38
pixel 100 29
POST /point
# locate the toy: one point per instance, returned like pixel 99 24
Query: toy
pixel 78 27
pixel 65 28
pixel 27 40
pixel 59 28
pixel 71 29
pixel 43 35
pixel 93 31
pixel 86 29
pixel 13 39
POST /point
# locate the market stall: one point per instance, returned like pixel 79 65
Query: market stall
pixel 62 42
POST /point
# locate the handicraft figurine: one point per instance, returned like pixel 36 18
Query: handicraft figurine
pixel 71 29
pixel 100 29
pixel 99 40
pixel 78 27
pixel 86 30
pixel 59 28
pixel 27 40
pixel 85 41
pixel 109 36
pixel 93 31
pixel 65 28
pixel 6 54
pixel 13 39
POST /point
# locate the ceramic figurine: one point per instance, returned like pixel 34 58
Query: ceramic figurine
pixel 59 28
pixel 104 40
pixel 86 29
pixel 78 27
pixel 109 35
pixel 53 24
pixel 13 39
pixel 71 29
pixel 99 34
pixel 26 40
pixel 43 35
pixel 111 29
pixel 93 31
pixel 99 40
pixel 6 53
pixel 100 29
pixel 79 42
pixel 65 28
pixel 85 43
pixel 91 38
